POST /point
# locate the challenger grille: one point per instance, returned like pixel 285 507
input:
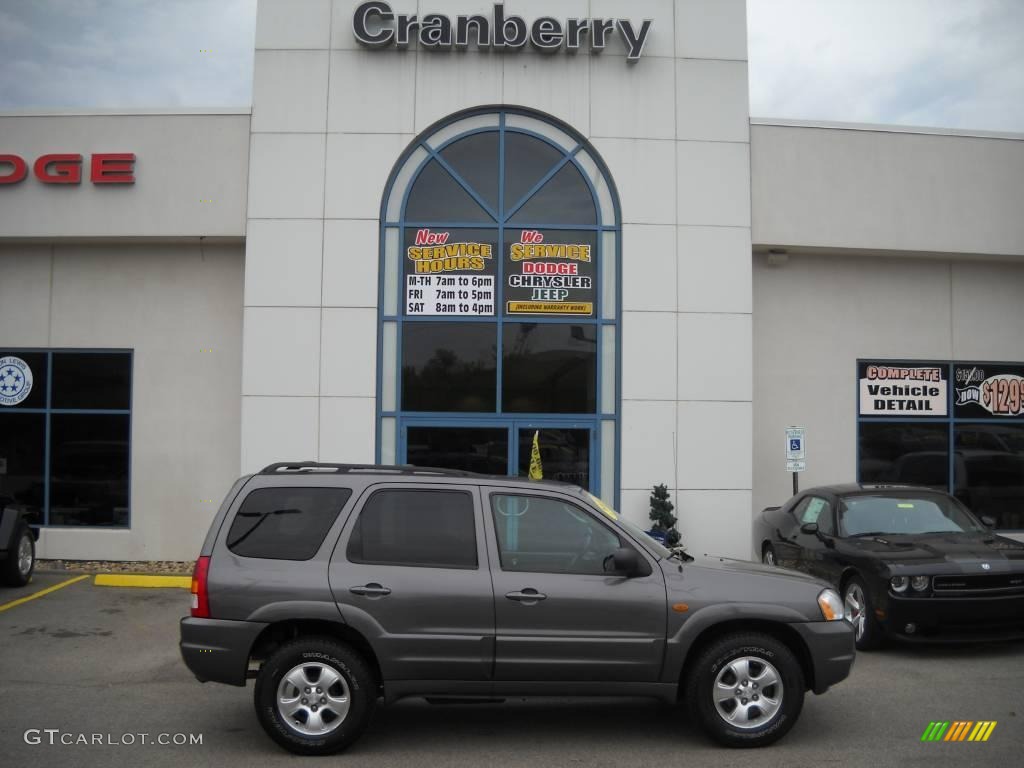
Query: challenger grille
pixel 979 583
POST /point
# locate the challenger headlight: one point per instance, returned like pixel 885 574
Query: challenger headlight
pixel 919 583
pixel 831 605
pixel 899 583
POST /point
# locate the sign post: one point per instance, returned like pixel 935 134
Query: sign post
pixel 796 454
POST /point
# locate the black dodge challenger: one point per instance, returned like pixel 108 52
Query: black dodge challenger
pixel 911 563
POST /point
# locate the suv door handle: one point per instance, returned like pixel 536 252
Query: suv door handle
pixel 528 595
pixel 372 590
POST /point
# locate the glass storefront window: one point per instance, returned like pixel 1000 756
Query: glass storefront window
pixel 989 471
pixel 565 199
pixel 474 159
pixel 912 454
pixel 472 449
pixel 79 408
pixel 92 380
pixel 956 427
pixel 503 312
pixel 23 462
pixel 448 367
pixel 549 368
pixel 89 469
pixel 564 453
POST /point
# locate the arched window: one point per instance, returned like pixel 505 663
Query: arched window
pixel 499 302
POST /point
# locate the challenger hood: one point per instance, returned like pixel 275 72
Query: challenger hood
pixel 1000 553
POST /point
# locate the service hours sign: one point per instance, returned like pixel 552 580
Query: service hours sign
pixel 450 272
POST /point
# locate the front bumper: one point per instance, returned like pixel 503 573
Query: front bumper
pixel 955 619
pixel 832 650
pixel 217 650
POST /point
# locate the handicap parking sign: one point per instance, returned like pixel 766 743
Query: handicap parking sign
pixel 795 447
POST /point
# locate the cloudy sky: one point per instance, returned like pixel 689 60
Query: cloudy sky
pixel 946 63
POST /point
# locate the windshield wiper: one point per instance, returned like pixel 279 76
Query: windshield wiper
pixel 867 534
pixel 262 517
pixel 680 555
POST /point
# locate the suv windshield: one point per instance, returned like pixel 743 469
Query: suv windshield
pixel 636 531
pixel 904 514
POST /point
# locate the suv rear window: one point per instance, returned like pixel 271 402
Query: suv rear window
pixel 419 528
pixel 285 523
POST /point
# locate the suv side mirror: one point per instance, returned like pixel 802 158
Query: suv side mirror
pixel 624 562
pixel 988 522
pixel 809 528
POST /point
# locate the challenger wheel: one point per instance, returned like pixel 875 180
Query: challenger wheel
pixel 861 614
pixel 745 690
pixel 314 696
pixel 768 555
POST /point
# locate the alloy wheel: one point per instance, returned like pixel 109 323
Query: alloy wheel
pixel 748 692
pixel 313 699
pixel 853 604
pixel 25 555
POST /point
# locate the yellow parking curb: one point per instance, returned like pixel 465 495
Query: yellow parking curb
pixel 135 580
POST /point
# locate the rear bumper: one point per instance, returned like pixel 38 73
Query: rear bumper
pixel 216 650
pixel 832 650
pixel 955 619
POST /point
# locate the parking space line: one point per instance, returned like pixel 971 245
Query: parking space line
pixel 42 592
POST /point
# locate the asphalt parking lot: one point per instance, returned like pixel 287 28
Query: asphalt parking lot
pixel 96 660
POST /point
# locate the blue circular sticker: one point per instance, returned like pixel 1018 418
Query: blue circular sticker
pixel 15 380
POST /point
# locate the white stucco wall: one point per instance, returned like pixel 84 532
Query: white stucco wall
pixel 179 307
pixel 814 316
pixel 329 122
pixel 887 189
pixel 190 173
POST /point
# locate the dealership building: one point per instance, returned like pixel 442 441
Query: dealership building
pixel 444 228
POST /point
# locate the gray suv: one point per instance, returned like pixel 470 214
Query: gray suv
pixel 336 586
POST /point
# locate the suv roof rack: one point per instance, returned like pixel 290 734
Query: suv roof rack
pixel 311 467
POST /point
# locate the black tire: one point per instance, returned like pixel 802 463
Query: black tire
pixel 356 675
pixel 768 556
pixel 870 636
pixel 14 572
pixel 703 677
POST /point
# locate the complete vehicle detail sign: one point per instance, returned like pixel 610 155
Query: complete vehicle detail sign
pixel 888 389
pixel 376 25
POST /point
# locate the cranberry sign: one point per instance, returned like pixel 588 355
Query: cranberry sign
pixel 67 168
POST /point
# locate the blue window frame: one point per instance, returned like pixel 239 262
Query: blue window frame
pixel 65 445
pixel 965 436
pixel 556 185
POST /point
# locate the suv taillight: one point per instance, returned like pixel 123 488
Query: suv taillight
pixel 200 596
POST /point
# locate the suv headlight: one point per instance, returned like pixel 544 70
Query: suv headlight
pixel 919 583
pixel 831 605
pixel 899 583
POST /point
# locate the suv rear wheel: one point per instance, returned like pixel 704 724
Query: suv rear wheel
pixel 21 559
pixel 745 690
pixel 314 696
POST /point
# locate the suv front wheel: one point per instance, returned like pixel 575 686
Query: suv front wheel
pixel 745 689
pixel 314 696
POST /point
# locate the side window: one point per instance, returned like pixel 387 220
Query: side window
pixel 416 528
pixel 539 534
pixel 818 511
pixel 801 509
pixel 285 523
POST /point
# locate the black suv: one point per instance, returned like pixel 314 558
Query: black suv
pixel 336 586
pixel 17 544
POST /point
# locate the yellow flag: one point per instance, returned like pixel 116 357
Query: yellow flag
pixel 536 470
